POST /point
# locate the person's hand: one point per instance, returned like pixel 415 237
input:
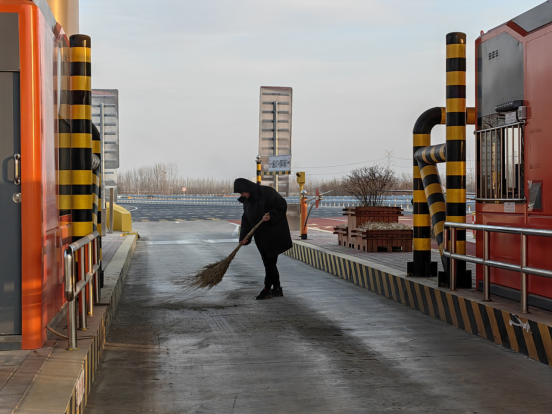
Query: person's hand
pixel 266 217
pixel 244 242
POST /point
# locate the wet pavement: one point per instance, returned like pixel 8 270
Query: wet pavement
pixel 328 346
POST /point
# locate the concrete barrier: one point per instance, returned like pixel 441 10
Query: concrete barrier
pixel 122 219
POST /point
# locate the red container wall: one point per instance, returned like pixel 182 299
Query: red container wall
pixel 538 166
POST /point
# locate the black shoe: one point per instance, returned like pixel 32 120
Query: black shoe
pixel 265 294
pixel 277 292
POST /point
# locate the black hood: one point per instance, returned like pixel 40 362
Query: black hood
pixel 241 185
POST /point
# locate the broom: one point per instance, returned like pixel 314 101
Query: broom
pixel 212 274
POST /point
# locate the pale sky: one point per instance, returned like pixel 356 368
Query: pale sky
pixel 362 71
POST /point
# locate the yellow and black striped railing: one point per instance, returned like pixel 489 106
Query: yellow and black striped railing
pixel 81 137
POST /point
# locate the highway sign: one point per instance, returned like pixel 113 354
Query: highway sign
pixel 110 125
pixel 275 108
pixel 279 163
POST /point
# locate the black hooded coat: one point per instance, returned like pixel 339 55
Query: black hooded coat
pixel 272 237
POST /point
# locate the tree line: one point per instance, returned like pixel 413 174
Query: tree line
pixel 165 179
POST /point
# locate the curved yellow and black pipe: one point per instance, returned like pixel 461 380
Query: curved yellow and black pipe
pixel 421 264
pixel 427 157
pixel 81 137
pixel 432 155
pixel 429 201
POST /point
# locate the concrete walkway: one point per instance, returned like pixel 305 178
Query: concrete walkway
pixel 328 346
pixel 44 380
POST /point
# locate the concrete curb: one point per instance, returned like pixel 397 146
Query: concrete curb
pixel 496 321
pixel 67 376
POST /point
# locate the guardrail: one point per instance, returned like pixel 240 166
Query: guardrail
pixel 336 201
pixel 83 281
pixel 522 268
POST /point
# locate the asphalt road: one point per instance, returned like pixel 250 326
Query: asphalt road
pixel 182 212
pixel 327 346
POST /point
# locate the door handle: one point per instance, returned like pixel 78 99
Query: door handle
pixel 17 175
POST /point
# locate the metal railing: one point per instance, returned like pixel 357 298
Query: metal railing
pixel 522 268
pixel 81 277
pixel 332 201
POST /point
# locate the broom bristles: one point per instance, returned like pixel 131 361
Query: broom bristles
pixel 212 274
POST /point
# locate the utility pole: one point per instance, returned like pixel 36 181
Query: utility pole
pixel 390 162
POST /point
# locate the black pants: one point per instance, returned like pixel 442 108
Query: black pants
pixel 272 276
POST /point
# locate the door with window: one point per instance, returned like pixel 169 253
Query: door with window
pixel 10 183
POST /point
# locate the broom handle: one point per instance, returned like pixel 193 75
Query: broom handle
pixel 253 230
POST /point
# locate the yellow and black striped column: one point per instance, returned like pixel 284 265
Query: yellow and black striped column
pixel 456 140
pixel 81 137
pixel 64 135
pixel 96 180
pixel 421 264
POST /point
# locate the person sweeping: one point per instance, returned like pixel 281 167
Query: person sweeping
pixel 272 237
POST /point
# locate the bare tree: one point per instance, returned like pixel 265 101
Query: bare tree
pixel 164 179
pixel 369 184
pixel 404 181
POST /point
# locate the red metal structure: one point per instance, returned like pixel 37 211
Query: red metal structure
pixel 36 175
pixel 513 104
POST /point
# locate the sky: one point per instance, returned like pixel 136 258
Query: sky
pixel 362 71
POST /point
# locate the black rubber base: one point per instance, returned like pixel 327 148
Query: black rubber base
pixel 414 269
pixel 303 237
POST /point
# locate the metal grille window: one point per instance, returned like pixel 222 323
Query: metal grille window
pixel 500 163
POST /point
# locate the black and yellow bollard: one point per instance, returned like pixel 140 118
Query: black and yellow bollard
pixel 456 149
pixel 258 160
pixel 81 137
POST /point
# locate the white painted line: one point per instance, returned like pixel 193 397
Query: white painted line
pixel 221 241
pixel 153 243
